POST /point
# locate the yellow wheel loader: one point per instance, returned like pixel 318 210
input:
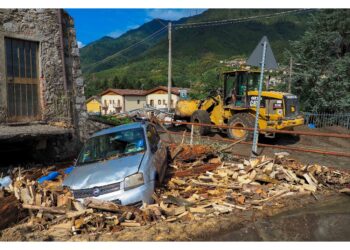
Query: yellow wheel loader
pixel 237 107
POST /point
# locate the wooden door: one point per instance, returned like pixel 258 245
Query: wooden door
pixel 23 102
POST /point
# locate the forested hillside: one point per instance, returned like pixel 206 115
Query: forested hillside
pixel 197 52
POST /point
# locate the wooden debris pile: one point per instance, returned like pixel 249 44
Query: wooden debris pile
pixel 199 184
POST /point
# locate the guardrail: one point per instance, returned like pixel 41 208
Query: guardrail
pixel 337 135
pixel 299 149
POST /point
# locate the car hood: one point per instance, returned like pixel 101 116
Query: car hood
pixel 103 172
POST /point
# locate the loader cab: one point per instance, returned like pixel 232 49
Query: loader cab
pixel 237 84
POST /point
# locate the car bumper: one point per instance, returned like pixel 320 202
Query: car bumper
pixel 129 197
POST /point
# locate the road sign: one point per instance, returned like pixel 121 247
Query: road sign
pixel 255 57
pixel 264 53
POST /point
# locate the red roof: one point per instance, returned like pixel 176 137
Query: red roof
pixel 139 92
pixel 124 92
pixel 174 90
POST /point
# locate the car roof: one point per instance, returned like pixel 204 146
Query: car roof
pixel 120 128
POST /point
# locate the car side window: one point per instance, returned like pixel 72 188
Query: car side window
pixel 152 136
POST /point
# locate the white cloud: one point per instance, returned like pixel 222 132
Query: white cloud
pixel 115 34
pixel 131 27
pixel 80 44
pixel 173 14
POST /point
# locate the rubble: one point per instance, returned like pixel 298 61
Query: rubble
pixel 199 184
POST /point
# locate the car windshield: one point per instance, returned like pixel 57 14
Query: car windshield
pixel 113 145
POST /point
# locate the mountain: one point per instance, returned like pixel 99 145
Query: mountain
pixel 196 51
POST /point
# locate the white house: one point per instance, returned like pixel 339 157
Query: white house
pixel 121 100
pixel 158 97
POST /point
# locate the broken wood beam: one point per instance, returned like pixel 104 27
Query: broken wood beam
pixel 10 211
pixel 53 210
pixel 215 185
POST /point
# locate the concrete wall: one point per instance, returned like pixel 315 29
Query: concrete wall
pixel 61 83
pixel 161 98
pixel 112 101
pixel 134 102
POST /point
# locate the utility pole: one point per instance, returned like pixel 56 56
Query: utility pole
pixel 257 105
pixel 169 67
pixel 290 75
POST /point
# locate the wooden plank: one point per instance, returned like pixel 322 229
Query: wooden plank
pixel 73 214
pixel 309 180
pixel 311 188
pixel 102 205
pixel 78 206
pixel 130 224
pixel 38 199
pixel 197 183
pixel 197 210
pixel 53 210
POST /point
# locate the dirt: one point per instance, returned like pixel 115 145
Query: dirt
pixel 327 220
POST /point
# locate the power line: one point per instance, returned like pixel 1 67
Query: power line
pixel 236 20
pixel 153 35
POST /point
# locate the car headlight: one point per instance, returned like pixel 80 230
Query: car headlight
pixel 133 181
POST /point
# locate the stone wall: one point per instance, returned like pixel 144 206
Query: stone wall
pixel 61 87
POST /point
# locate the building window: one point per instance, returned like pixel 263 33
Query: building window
pixel 159 102
pixel 113 102
pixel 138 101
pixel 105 102
pixel 118 103
pixel 164 102
pixel 110 101
pixel 151 103
pixel 23 99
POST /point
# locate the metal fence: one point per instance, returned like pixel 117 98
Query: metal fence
pixel 320 120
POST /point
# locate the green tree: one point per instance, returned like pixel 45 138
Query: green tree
pixel 115 82
pixel 124 83
pixel 321 74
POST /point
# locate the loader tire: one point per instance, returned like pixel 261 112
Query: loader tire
pixel 200 116
pixel 244 120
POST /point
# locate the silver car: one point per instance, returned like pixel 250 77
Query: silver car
pixel 121 164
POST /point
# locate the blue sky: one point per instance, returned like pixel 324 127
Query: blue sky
pixel 92 24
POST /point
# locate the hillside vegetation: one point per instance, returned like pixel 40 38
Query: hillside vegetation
pixel 197 52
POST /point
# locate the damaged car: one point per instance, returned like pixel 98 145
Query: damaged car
pixel 121 164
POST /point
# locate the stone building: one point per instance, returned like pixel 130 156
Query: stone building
pixel 41 86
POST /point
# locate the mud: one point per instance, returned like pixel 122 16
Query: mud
pixel 327 220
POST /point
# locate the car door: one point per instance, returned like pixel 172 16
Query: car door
pixel 159 150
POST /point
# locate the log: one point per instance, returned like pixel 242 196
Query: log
pixel 53 210
pixel 101 205
pixel 10 211
pixel 73 214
